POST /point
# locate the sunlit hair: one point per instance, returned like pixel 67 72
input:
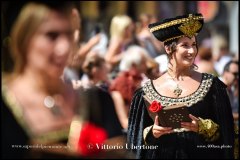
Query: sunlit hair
pixel 26 25
pixel 118 25
pixel 133 55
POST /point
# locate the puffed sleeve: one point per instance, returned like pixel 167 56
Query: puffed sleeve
pixel 209 129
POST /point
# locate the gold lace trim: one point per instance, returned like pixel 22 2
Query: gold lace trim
pixel 175 22
pixel 172 38
pixel 13 105
pixel 193 98
pixel 208 129
pixel 16 110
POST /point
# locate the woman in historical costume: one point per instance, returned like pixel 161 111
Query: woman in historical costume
pixel 210 131
pixel 37 106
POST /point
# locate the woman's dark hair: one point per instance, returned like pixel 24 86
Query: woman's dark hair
pixel 90 63
pixel 227 65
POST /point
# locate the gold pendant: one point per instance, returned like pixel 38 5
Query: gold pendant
pixel 177 91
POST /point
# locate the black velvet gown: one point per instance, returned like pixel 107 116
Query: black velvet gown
pixel 209 101
pixel 17 136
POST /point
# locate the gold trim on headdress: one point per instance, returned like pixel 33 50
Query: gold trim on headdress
pixel 175 22
pixel 172 38
pixel 190 27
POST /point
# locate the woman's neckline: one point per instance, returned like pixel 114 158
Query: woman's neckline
pixel 199 86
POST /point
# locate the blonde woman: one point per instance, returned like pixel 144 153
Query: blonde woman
pixel 121 30
pixel 37 106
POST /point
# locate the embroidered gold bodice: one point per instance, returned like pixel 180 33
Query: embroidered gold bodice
pixel 189 100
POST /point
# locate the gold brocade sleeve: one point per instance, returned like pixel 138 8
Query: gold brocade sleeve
pixel 146 132
pixel 208 129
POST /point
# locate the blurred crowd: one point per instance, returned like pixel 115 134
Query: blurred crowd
pixel 69 92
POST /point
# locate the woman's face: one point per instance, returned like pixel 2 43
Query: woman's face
pixel 101 73
pixel 186 51
pixel 50 46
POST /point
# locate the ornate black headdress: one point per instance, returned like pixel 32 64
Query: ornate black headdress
pixel 172 28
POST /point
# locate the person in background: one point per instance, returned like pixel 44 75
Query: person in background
pixel 73 71
pixel 150 43
pixel 206 99
pixel 38 107
pixel 153 71
pixel 230 77
pixel 132 69
pixel 121 35
pixel 221 53
pixel 96 123
pixel 96 71
pixel 205 61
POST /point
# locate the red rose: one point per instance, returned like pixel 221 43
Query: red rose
pixel 155 106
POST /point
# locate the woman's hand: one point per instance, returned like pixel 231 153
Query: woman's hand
pixel 192 126
pixel 158 130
